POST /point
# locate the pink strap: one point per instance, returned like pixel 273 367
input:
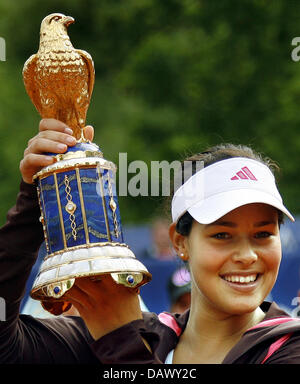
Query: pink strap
pixel 169 320
pixel 276 345
pixel 275 321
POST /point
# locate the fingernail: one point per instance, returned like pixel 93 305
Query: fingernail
pixel 68 131
pixel 70 140
pixel 61 147
pixel 48 159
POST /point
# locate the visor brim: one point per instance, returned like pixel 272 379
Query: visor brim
pixel 214 207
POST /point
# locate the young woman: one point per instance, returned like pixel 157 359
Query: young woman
pixel 226 221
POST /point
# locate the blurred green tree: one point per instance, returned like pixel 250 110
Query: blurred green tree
pixel 172 77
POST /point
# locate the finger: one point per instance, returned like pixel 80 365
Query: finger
pixel 35 161
pixel 54 125
pixel 95 290
pixel 32 163
pixel 75 304
pixel 49 141
pixel 78 297
pixel 42 145
pixel 32 139
pixel 103 290
pixel 91 287
pixel 55 136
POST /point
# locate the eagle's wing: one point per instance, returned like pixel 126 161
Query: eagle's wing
pixel 87 58
pixel 29 77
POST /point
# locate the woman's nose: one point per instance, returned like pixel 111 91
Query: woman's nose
pixel 245 253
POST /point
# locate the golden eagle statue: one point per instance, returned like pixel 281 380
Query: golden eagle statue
pixel 59 79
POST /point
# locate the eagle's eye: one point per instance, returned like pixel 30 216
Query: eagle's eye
pixel 56 18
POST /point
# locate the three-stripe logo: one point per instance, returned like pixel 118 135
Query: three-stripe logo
pixel 244 174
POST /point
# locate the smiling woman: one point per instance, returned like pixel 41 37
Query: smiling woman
pixel 226 222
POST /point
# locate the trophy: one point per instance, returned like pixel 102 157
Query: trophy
pixel 77 194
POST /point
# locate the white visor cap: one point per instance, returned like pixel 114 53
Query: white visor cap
pixel 224 186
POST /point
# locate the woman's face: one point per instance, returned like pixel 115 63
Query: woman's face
pixel 234 261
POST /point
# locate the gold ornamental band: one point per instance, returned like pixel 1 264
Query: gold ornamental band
pixel 78 154
pixel 70 164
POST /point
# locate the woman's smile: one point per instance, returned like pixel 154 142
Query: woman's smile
pixel 242 282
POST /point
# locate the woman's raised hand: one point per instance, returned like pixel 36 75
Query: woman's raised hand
pixel 104 305
pixel 54 136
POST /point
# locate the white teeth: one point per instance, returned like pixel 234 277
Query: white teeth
pixel 240 279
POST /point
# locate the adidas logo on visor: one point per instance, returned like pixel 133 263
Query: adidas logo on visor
pixel 244 174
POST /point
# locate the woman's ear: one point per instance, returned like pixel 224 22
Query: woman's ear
pixel 179 242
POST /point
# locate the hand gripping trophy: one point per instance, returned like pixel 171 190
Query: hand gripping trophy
pixel 77 195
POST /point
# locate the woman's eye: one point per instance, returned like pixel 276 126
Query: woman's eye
pixel 263 235
pixel 221 236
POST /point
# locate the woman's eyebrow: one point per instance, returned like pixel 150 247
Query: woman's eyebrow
pixel 223 224
pixel 263 223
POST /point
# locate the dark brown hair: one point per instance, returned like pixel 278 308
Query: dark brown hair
pixel 213 155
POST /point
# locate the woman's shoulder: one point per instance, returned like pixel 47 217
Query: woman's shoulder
pixel 175 322
pixel 276 339
pixel 276 322
pixel 168 326
pixel 288 351
pixel 272 309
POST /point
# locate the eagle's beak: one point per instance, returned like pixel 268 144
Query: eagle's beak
pixel 68 20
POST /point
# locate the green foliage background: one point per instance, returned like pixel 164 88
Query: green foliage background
pixel 172 77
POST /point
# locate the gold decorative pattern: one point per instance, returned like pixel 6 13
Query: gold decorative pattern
pixel 70 207
pixel 91 230
pixel 71 163
pixel 78 155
